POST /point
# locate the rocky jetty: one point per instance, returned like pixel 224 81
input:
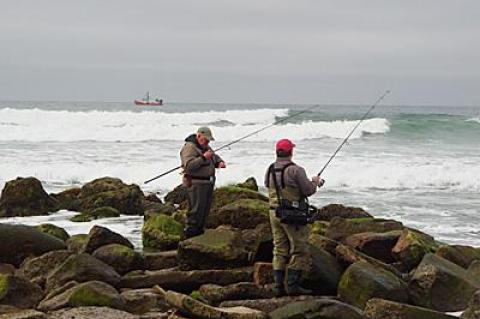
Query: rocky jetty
pixel 361 266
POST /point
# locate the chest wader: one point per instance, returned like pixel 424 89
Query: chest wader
pixel 291 214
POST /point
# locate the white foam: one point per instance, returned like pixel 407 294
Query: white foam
pixel 475 119
pixel 35 125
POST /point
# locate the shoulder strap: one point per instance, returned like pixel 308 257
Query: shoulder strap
pixel 272 171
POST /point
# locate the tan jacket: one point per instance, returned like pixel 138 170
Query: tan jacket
pixel 194 164
pixel 295 177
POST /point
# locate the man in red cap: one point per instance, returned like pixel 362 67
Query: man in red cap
pixel 289 188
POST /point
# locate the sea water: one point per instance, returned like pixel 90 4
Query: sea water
pixel 416 164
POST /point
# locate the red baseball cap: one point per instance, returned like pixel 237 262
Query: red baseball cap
pixel 285 145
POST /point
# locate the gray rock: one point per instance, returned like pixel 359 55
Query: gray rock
pixel 91 312
pixel 320 308
pixel 101 236
pixel 19 292
pixel 384 309
pixel 37 269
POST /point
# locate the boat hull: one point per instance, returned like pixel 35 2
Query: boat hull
pixel 147 103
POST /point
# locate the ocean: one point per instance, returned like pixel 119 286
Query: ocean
pixel 416 164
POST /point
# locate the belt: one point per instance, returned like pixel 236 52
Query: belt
pixel 203 178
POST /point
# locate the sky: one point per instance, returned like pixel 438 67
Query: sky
pixel 250 51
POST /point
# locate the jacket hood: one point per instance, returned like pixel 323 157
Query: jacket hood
pixel 192 139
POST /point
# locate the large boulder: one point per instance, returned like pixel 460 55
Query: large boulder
pixel 53 230
pixel 65 198
pixel 215 294
pixel 250 183
pixel 197 309
pixel 229 194
pixel 140 301
pixel 82 268
pixel 107 191
pixel 259 242
pixel 441 285
pixel 376 245
pixel 340 228
pixel 101 236
pixel 121 258
pixel 323 242
pixel 474 269
pixel 161 232
pixel 160 260
pixel 473 310
pixel 25 197
pixel 19 292
pixel 242 213
pixel 385 309
pixel 92 293
pixel 215 249
pixel 324 274
pixel 328 212
pixel 317 308
pixel 77 242
pixel 363 281
pixel 37 269
pixel 460 255
pixel 25 241
pixel 179 196
pixel 97 213
pixel 412 246
pixel 186 281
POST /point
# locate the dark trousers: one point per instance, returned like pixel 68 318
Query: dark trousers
pixel 200 201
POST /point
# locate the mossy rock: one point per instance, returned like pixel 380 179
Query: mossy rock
pixel 179 196
pixel 215 249
pixel 362 281
pixel 54 231
pixel 19 292
pixel 319 227
pixel 341 228
pixel 473 310
pixel 66 197
pixel 324 274
pixel 123 259
pixel 317 308
pixel 463 256
pixel 229 194
pixel 77 242
pixel 250 183
pixel 327 213
pixel 242 213
pixel 25 197
pixel 412 246
pixel 102 236
pixel 161 232
pixel 152 209
pixel 107 191
pixel 384 309
pixel 97 213
pixel 376 245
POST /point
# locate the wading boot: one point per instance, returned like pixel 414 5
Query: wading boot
pixel 293 283
pixel 278 286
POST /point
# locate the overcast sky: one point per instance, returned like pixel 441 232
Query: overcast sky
pixel 298 51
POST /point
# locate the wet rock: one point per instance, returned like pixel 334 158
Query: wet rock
pixel 412 246
pixel 228 194
pixel 473 310
pixel 82 268
pixel 91 312
pixel 250 183
pixel 215 294
pixel 319 308
pixel 76 243
pixel 186 281
pixel 242 213
pixel 319 227
pixel 324 243
pixel 121 258
pixel 384 309
pixel 262 273
pixel 25 241
pixel 37 269
pixel 363 281
pixel 19 292
pixel 259 243
pixel 460 255
pixel 92 293
pixel 25 197
pixel 376 245
pixel 160 260
pixel 24 314
pixel 442 285
pixel 101 236
pixel 161 232
pixel 340 228
pixel 324 272
pixel 331 211
pixel 347 256
pixel 178 196
pixel 215 249
pixel 65 198
pixel 107 191
pixel 97 213
pixel 474 269
pixel 141 301
pixel 152 197
pixel 54 231
pixel 152 209
pixel 198 309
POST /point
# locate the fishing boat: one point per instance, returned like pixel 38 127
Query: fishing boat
pixel 147 101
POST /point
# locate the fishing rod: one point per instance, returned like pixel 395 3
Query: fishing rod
pixel 353 130
pixel 240 139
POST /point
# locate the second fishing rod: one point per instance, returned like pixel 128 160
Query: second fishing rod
pixel 285 119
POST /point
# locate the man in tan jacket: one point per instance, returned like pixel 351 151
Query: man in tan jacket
pixel 199 163
pixel 288 183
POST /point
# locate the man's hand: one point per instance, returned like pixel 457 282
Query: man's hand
pixel 208 154
pixel 318 181
pixel 222 165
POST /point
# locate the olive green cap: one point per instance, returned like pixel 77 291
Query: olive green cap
pixel 207 132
